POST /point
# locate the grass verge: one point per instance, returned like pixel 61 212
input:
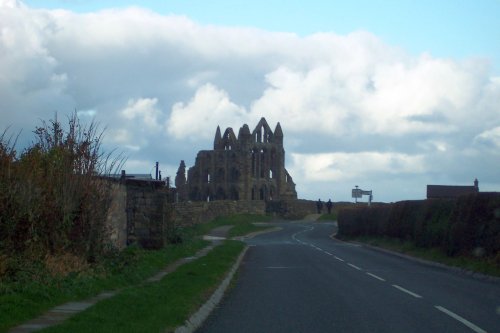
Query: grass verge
pixel 34 291
pixel 481 265
pixel 328 217
pixel 158 306
pixel 242 225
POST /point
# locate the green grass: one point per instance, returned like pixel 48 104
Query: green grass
pixel 482 265
pixel 245 229
pixel 242 224
pixel 328 217
pixel 34 291
pixel 158 306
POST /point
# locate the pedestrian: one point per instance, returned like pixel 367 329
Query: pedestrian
pixel 319 206
pixel 329 206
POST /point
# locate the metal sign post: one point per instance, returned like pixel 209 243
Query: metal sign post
pixel 358 193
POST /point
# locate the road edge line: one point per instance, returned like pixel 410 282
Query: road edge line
pixel 196 320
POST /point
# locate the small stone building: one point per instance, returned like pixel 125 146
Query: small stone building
pixel 250 166
pixel 449 191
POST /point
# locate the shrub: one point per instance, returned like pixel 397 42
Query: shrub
pixel 468 225
pixel 52 200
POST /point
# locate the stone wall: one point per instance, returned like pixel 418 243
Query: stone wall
pixel 143 212
pixel 139 213
pixel 117 216
pixel 191 213
pixel 291 209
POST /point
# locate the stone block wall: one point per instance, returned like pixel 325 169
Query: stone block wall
pixel 147 213
pixel 117 216
pixel 191 213
pixel 143 212
pixel 291 209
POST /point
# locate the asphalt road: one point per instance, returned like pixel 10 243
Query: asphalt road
pixel 300 280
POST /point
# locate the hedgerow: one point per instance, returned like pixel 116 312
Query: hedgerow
pixel 468 225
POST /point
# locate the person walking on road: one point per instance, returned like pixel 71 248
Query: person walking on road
pixel 329 206
pixel 319 206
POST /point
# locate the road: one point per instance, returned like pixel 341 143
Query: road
pixel 301 280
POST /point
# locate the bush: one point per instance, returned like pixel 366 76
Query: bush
pixel 469 225
pixel 475 225
pixel 52 200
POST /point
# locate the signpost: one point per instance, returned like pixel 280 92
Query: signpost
pixel 358 193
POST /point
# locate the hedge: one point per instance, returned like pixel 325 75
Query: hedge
pixel 459 226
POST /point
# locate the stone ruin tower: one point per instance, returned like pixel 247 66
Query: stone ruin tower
pixel 248 167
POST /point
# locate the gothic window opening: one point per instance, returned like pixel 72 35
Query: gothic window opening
pixel 220 175
pixel 221 195
pixel 235 175
pixel 263 192
pixel 254 164
pixel 262 164
pixel 234 194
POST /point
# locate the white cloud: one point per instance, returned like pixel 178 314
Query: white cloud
pixel 491 137
pixel 145 111
pixel 350 166
pixel 208 108
pixel 162 84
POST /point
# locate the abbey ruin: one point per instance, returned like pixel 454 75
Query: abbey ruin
pixel 248 167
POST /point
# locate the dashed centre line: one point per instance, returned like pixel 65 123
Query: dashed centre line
pixel 376 277
pixel 460 319
pixel 453 315
pixel 354 266
pixel 406 291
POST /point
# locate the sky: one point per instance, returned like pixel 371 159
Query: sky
pixel 387 95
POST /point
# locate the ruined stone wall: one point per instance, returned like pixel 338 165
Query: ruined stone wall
pixel 117 216
pixel 147 213
pixel 248 167
pixel 191 213
pixel 291 209
pixel 142 212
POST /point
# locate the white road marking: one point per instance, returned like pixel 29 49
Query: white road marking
pixel 376 277
pixel 407 291
pixel 339 259
pixel 460 319
pixel 328 253
pixel 354 266
pixel 294 236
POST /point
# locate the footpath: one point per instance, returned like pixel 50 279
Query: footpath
pixel 62 312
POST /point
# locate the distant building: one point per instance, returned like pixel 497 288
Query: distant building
pixel 449 191
pixel 250 166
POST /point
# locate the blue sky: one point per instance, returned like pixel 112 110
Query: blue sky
pixel 446 28
pixel 387 95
